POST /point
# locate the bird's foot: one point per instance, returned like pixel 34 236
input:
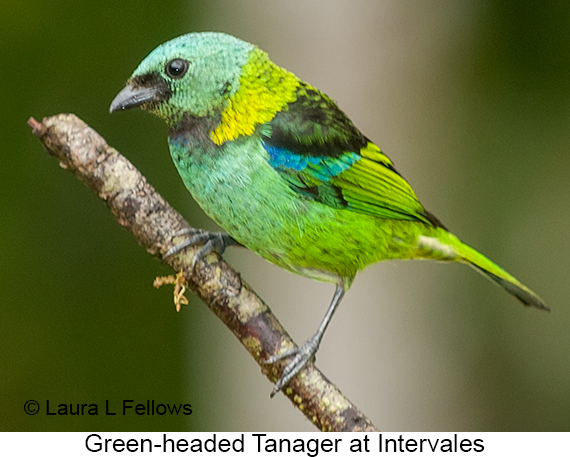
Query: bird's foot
pixel 212 242
pixel 302 355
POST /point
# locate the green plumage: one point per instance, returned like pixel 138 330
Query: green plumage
pixel 283 170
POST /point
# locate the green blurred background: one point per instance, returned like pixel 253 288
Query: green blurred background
pixel 471 99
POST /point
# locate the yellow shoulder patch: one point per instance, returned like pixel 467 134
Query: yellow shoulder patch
pixel 265 89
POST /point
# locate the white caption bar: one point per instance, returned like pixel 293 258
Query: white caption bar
pixel 292 444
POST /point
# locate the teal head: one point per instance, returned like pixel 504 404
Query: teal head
pixel 195 73
pixel 212 76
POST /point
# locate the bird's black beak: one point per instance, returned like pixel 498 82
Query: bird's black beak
pixel 131 97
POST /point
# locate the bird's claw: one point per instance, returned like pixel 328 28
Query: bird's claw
pixel 212 242
pixel 302 355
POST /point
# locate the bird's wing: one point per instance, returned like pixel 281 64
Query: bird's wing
pixel 315 147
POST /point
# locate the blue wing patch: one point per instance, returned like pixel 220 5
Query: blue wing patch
pixel 320 168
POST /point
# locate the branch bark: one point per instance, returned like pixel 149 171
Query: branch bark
pixel 142 211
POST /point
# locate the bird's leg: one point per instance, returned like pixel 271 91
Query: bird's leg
pixel 212 241
pixel 308 350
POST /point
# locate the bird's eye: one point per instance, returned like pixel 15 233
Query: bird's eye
pixel 177 68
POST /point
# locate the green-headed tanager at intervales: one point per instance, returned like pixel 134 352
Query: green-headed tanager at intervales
pixel 284 171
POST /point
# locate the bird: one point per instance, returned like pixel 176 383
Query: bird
pixel 284 171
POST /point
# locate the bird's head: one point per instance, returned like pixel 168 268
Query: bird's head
pixel 195 74
pixel 210 76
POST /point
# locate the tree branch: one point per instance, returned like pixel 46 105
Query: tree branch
pixel 142 211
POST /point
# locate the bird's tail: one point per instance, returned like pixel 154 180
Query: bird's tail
pixel 499 276
pixel 492 271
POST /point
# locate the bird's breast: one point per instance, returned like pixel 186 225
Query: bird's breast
pixel 235 185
